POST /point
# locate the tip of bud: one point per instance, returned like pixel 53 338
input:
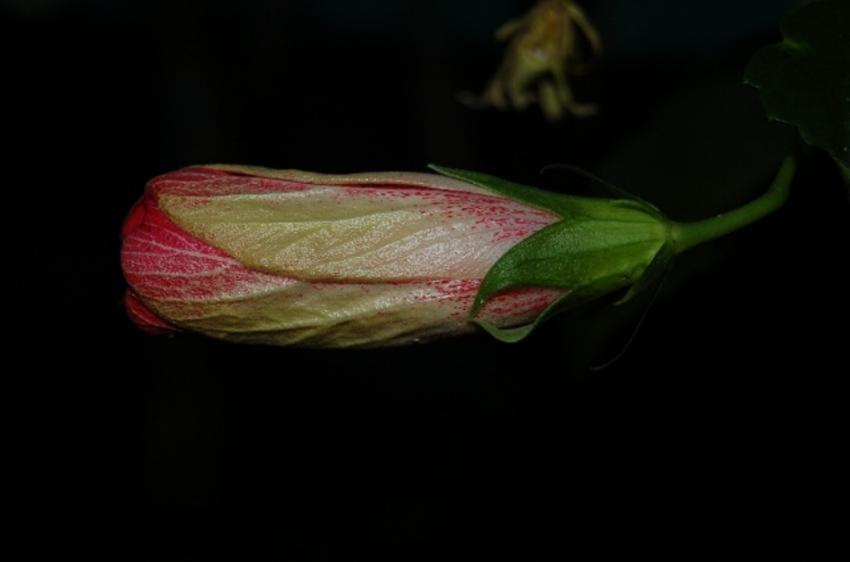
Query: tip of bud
pixel 144 317
pixel 134 218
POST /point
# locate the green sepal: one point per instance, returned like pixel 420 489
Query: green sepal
pixel 805 80
pixel 561 205
pixel 651 278
pixel 584 256
pixel 558 203
pixel 600 246
pixel 627 199
pixel 572 254
pixel 653 275
pixel 570 300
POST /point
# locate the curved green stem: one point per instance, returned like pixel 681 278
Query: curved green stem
pixel 689 234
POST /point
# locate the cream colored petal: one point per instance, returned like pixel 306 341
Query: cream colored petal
pixel 330 315
pixel 196 287
pixel 398 179
pixel 350 315
pixel 363 234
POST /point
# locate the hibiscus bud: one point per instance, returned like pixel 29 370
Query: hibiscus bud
pixel 294 258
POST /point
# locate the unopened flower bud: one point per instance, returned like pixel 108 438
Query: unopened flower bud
pixel 293 258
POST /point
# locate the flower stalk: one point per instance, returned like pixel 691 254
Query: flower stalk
pixel 689 234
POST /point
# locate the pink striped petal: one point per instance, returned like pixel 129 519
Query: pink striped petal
pixel 181 282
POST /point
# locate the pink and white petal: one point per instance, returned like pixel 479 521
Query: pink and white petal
pixel 358 234
pixel 179 281
pixel 360 179
pixel 143 317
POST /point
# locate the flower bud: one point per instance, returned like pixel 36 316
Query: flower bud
pixel 294 258
pixel 286 257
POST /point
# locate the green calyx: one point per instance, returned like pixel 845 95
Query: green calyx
pixel 600 246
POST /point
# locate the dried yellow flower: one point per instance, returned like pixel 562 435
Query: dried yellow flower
pixel 544 49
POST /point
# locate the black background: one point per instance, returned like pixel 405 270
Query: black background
pixel 717 436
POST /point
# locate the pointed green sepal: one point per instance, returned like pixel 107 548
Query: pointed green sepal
pixel 598 247
pixel 627 198
pixel 585 256
pixel 514 334
pixel 561 205
pixel 577 253
pixel 653 275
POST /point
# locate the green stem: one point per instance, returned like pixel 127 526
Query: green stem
pixel 689 234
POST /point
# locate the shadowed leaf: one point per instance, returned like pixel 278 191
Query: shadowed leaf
pixel 805 80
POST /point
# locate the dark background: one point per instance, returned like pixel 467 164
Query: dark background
pixel 716 437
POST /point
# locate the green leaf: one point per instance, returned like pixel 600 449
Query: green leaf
pixel 805 80
pixel 845 173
